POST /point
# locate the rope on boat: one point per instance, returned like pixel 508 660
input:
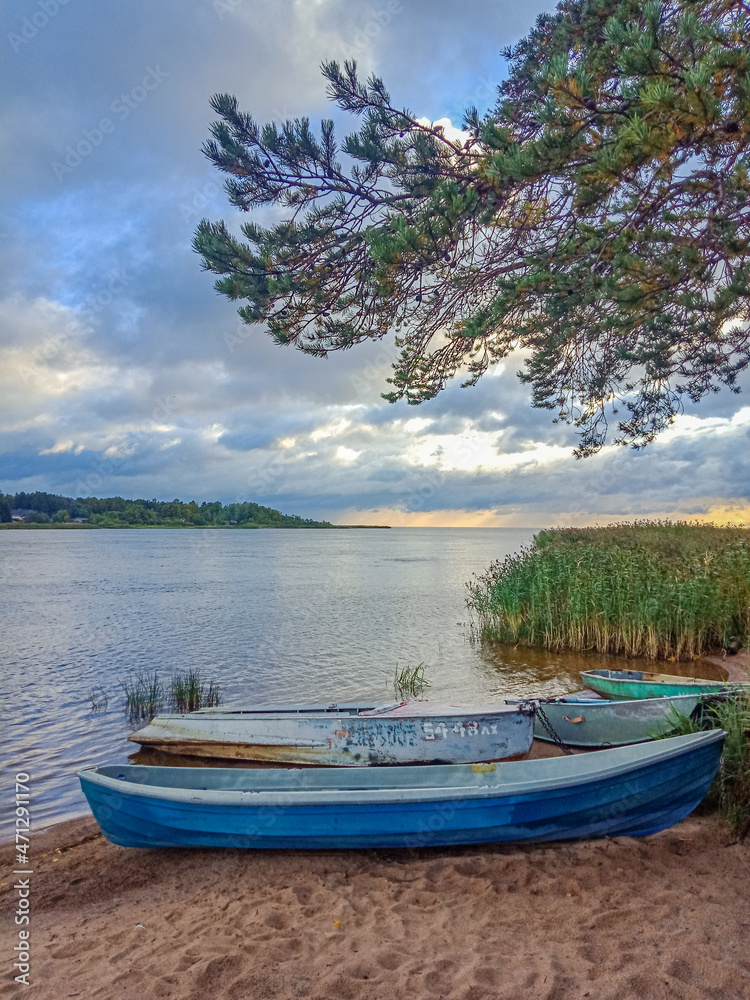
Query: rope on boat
pixel 534 707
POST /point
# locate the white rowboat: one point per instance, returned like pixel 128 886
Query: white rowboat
pixel 346 735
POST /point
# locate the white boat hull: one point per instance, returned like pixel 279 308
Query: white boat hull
pixel 340 736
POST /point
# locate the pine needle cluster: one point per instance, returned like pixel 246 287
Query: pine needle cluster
pixel 597 217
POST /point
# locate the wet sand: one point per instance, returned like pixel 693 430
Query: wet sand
pixel 735 668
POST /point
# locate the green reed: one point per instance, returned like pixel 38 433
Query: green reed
pixel 188 692
pixel 410 682
pixel 99 699
pixel 144 696
pixel 649 589
pixel 730 792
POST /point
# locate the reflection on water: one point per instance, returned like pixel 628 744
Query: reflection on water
pixel 299 615
pixel 542 671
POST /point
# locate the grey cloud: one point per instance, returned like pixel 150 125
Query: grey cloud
pixel 103 250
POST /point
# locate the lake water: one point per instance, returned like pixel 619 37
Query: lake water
pixel 273 615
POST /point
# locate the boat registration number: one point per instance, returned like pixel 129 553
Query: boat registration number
pixel 440 730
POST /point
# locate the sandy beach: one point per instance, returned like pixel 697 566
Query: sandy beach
pixel 660 918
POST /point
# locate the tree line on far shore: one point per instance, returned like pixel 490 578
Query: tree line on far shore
pixel 112 512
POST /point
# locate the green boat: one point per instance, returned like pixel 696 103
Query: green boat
pixel 628 684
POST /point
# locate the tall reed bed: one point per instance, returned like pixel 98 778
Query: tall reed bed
pixel 650 589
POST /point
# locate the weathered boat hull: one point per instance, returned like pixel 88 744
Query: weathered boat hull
pixel 405 734
pixel 630 791
pixel 598 722
pixel 631 684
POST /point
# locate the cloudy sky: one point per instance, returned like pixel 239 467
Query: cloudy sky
pixel 124 373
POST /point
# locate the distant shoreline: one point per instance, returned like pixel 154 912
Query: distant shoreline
pixel 66 525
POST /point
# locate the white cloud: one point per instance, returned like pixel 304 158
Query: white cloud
pixel 451 133
pixel 346 455
pixel 417 424
pixel 334 429
pixel 690 425
pixel 58 448
pixel 473 450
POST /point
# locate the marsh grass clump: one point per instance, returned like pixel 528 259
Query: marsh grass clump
pixel 730 792
pixel 649 589
pixel 410 682
pixel 188 692
pixel 99 699
pixel 144 696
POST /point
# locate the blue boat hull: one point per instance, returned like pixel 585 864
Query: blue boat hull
pixel 656 792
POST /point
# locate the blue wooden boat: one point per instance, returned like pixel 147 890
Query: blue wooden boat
pixel 350 735
pixel 631 791
pixel 624 684
pixel 584 719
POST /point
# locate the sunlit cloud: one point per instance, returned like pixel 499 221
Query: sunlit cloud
pixel 695 425
pixel 451 133
pixel 334 429
pixel 474 450
pixel 58 448
pixel 346 455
